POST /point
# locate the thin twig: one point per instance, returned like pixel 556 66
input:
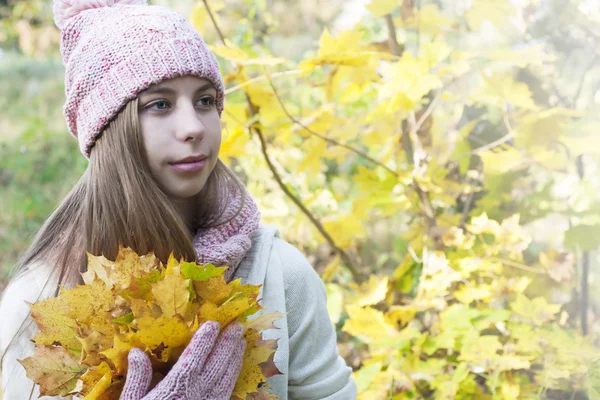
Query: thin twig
pixel 262 78
pixel 432 105
pixel 493 144
pixel 414 255
pixel 214 21
pixel 325 138
pixel 468 203
pixel 518 265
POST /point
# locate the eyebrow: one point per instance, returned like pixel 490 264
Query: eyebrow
pixel 168 90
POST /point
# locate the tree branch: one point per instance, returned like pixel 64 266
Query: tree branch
pixel 408 141
pixel 356 274
pixel 396 49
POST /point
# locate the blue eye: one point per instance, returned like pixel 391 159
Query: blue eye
pixel 207 101
pixel 161 105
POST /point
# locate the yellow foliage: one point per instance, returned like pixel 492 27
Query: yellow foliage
pixel 234 144
pixel 135 301
pixel 370 326
pixel 314 150
pixel 200 18
pixel 233 53
pixel 380 8
pixel 496 12
pixel 345 230
pixel 429 19
pixel 346 49
pixel 499 90
pixel 406 82
pixel 371 292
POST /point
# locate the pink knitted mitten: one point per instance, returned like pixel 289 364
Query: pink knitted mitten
pixel 207 369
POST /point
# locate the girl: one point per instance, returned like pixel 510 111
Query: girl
pixel 144 100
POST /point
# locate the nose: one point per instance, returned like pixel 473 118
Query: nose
pixel 189 126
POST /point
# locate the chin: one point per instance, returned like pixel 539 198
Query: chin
pixel 186 194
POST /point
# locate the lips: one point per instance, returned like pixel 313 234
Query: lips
pixel 190 159
pixel 190 164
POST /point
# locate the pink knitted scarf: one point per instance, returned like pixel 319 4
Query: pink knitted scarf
pixel 226 244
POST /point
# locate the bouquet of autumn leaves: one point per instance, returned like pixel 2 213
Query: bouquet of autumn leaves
pixel 86 333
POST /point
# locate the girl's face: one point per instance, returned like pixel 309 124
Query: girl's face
pixel 181 130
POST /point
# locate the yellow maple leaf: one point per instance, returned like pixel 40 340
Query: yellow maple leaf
pixel 98 266
pixel 170 331
pixel 54 369
pixel 171 265
pixel 55 324
pixel 172 295
pixel 87 303
pixel 233 144
pixel 117 354
pixel 500 89
pixel 224 314
pixel 214 290
pixel 371 292
pixel 258 359
pixel 100 388
pixel 400 315
pixel 129 264
pixel 369 325
pixel 406 82
pixel 347 41
pixel 93 375
pixel 345 49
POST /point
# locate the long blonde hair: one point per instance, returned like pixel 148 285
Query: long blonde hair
pixel 118 201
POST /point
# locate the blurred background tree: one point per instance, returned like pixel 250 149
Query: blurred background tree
pixel 436 160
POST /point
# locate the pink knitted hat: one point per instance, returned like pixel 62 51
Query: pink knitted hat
pixel 114 49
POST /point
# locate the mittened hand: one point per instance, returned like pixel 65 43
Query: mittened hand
pixel 207 369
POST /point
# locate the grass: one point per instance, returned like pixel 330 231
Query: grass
pixel 39 160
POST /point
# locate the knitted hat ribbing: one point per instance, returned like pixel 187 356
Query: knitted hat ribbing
pixel 114 49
